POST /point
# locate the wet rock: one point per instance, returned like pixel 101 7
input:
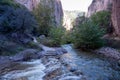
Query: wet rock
pixel 70 78
pixel 109 52
pixel 53 50
pixel 25 55
pixel 4 62
pixel 119 63
pixel 48 51
pixel 60 68
pixel 69 62
pixel 53 73
pixel 78 72
pixel 53 68
pixel 7 65
pixel 42 37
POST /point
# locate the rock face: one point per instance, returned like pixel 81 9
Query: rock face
pixel 54 4
pixel 30 4
pixel 116 16
pixel 99 5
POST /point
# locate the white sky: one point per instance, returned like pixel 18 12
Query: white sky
pixel 81 5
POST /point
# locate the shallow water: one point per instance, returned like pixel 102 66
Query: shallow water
pixel 32 71
pixel 95 67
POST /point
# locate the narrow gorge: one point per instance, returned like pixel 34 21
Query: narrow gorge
pixel 40 40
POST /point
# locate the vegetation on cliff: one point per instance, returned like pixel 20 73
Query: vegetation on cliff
pixel 43 15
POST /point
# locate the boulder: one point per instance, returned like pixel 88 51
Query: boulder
pixel 109 52
pixel 5 64
pixel 53 68
pixel 25 55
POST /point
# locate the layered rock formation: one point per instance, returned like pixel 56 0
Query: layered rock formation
pixel 99 5
pixel 116 16
pixel 55 5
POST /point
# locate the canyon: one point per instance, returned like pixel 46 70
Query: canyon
pixel 99 5
pixel 55 5
pixel 108 5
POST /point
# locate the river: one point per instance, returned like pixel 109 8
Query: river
pixel 93 66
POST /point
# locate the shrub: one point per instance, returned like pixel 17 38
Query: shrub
pixel 67 37
pixel 44 19
pixel 13 20
pixel 103 19
pixel 56 34
pixel 79 20
pixel 88 36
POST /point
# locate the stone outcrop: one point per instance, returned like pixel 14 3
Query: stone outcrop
pixel 55 5
pixel 116 16
pixel 99 5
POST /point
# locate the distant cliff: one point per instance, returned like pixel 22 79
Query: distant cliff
pixel 54 4
pixel 99 5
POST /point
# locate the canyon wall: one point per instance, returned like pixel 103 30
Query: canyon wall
pixel 54 4
pixel 29 4
pixel 109 5
pixel 99 5
pixel 116 16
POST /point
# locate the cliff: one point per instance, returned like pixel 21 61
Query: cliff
pixel 116 16
pixel 29 4
pixel 54 4
pixel 99 5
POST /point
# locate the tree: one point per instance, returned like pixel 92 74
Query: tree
pixel 16 20
pixel 88 36
pixel 44 18
pixel 103 19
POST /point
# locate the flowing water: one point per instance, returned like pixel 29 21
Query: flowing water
pixel 32 70
pixel 95 67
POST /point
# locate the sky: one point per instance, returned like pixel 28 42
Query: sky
pixel 81 5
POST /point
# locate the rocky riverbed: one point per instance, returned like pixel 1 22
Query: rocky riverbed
pixel 57 64
pixel 31 64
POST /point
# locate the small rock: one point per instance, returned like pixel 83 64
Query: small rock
pixel 42 37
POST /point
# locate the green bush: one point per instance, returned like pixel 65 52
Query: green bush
pixel 67 37
pixel 56 34
pixel 102 19
pixel 79 20
pixel 44 19
pixel 88 36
